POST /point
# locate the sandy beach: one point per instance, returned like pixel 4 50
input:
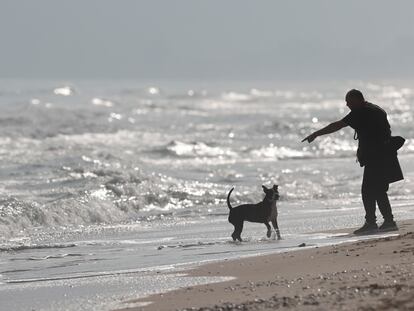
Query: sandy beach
pixel 374 274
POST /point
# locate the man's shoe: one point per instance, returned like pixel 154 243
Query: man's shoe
pixel 388 226
pixel 367 228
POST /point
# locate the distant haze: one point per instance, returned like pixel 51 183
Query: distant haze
pixel 206 39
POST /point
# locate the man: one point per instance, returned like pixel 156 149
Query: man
pixel 375 153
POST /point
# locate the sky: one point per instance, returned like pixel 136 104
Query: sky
pixel 207 39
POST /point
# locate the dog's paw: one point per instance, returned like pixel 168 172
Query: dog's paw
pixel 269 233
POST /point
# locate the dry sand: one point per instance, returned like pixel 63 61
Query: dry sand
pixel 367 275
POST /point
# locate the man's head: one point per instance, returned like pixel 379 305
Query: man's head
pixel 354 99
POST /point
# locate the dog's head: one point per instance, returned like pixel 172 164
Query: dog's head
pixel 272 194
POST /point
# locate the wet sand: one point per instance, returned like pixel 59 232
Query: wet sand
pixel 373 274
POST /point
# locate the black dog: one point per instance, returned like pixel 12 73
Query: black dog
pixel 262 212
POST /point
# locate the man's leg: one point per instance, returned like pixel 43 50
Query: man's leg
pixel 369 204
pixel 386 211
pixel 369 200
pixel 368 195
pixel 380 187
pixel 385 206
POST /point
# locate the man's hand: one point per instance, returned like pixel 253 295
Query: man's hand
pixel 310 138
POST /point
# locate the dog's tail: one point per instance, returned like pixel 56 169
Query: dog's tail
pixel 228 198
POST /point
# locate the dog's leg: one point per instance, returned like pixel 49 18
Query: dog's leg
pixel 238 230
pixel 269 230
pixel 274 223
pixel 234 234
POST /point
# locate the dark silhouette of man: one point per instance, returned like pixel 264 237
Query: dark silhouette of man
pixel 375 153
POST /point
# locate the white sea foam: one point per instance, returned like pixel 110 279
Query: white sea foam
pixel 102 102
pixel 64 91
pixel 275 153
pixel 198 149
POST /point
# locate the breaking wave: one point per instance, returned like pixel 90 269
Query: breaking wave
pixel 197 149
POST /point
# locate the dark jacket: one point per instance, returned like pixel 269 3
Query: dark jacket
pixel 375 143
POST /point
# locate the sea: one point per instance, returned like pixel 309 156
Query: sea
pixel 110 190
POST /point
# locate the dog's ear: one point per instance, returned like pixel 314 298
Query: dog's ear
pixel 275 187
pixel 265 189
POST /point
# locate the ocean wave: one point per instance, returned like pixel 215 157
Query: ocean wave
pixel 326 147
pixel 23 247
pixel 64 91
pixel 196 149
pixel 235 97
pixel 276 152
pixel 111 197
pixel 102 102
pixel 18 215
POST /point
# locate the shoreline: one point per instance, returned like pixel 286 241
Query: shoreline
pixel 372 274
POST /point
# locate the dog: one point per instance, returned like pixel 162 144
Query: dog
pixel 262 212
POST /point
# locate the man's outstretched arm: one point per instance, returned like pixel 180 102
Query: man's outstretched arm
pixel 331 128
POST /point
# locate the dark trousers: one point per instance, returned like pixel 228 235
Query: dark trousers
pixel 374 191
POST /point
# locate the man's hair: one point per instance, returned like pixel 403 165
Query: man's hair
pixel 356 94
